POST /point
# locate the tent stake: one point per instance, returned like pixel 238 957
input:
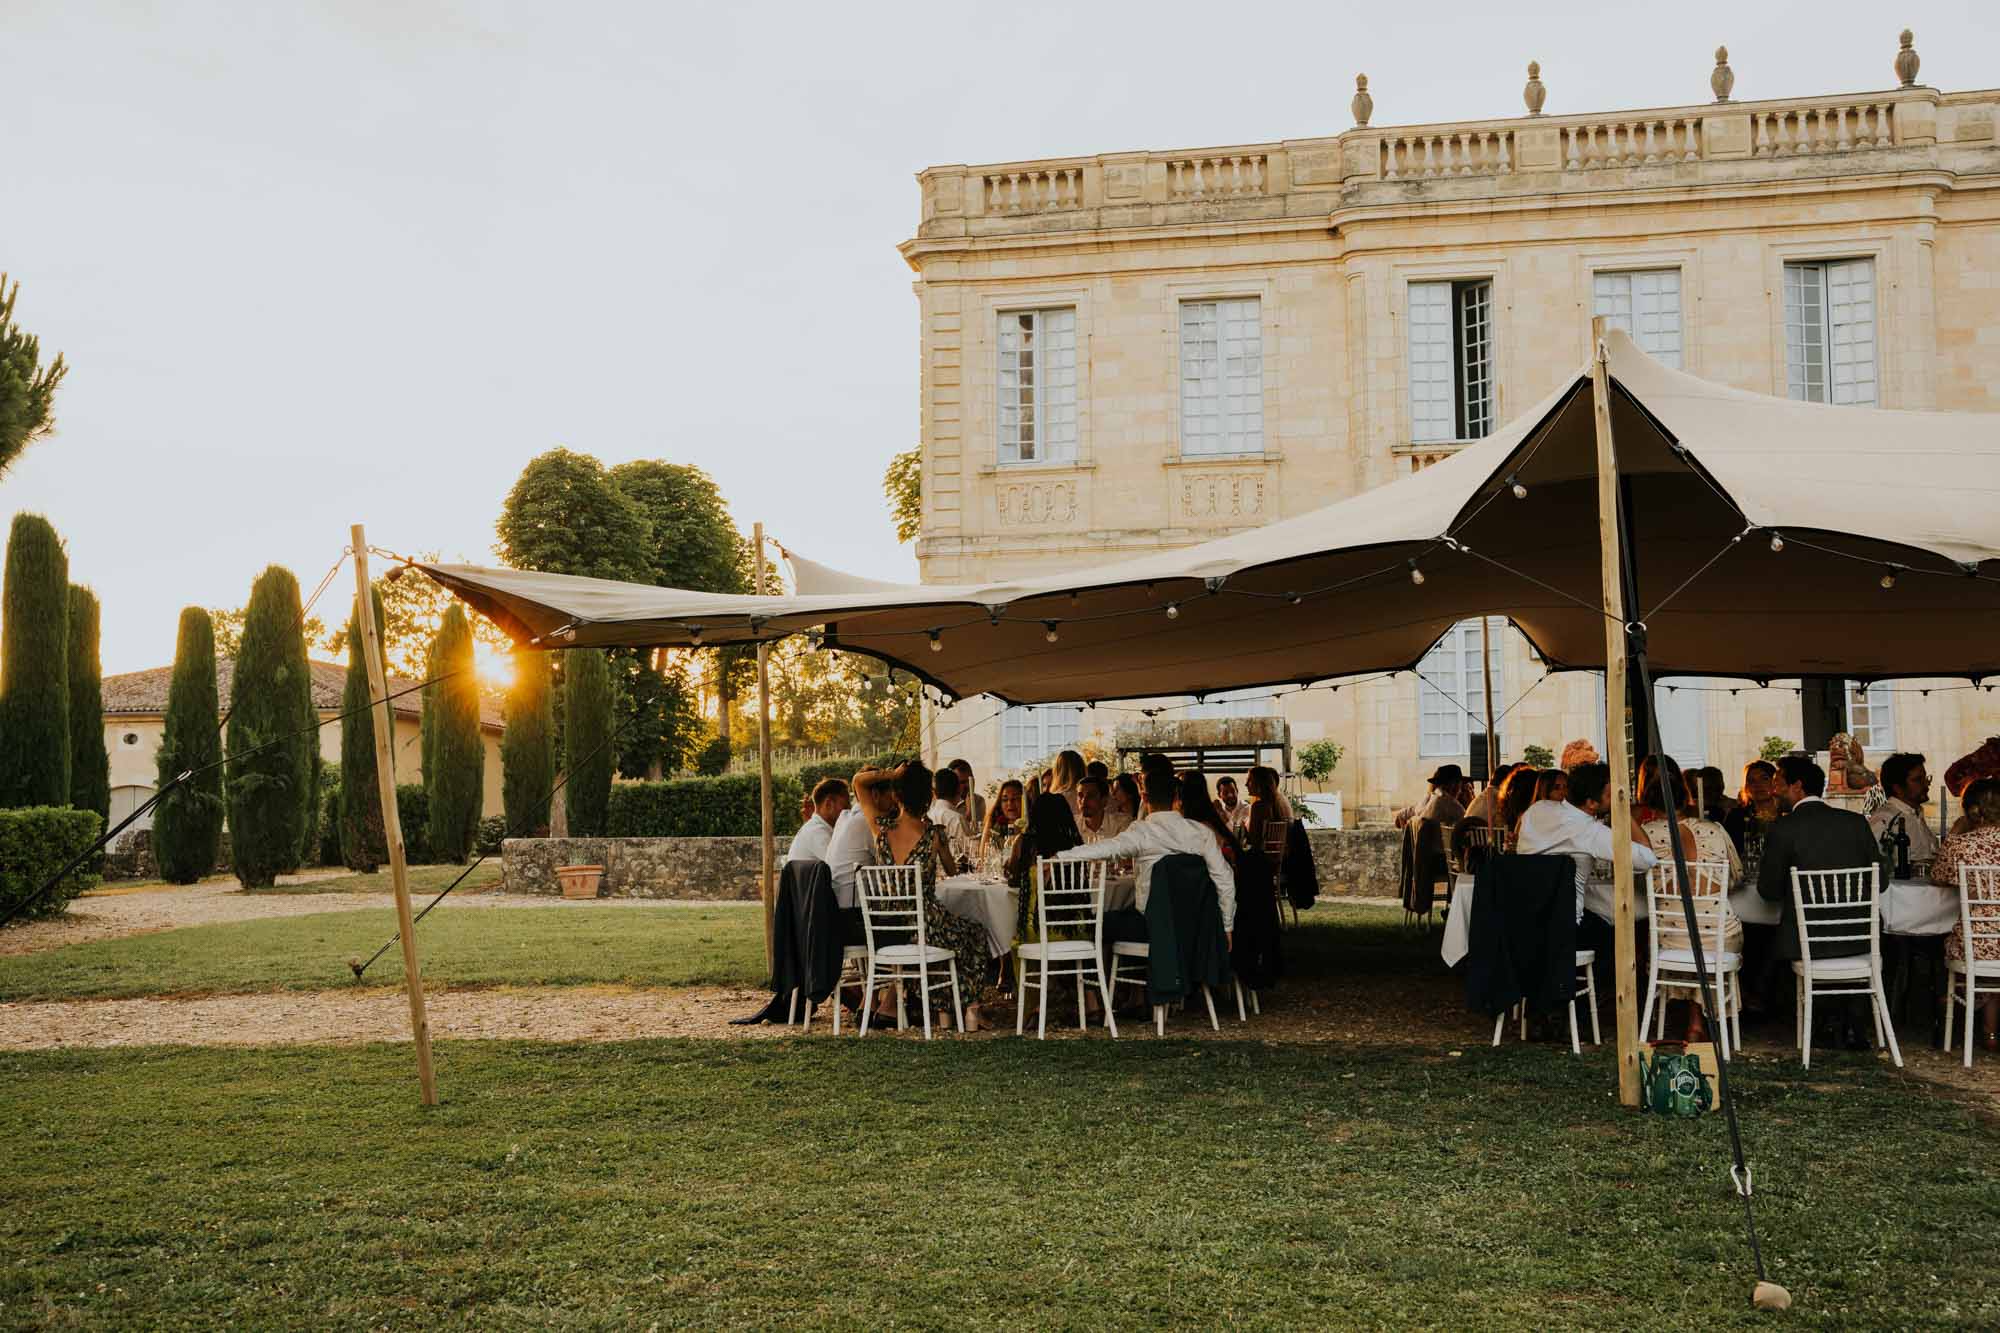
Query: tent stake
pixel 1625 962
pixel 392 823
pixel 767 885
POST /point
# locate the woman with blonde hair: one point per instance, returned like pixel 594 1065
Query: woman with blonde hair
pixel 1070 771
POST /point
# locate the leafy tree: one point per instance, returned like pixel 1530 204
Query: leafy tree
pixel 455 771
pixel 34 667
pixel 528 747
pixel 187 823
pixel 659 719
pixel 694 542
pixel 903 485
pixel 1538 756
pixel 89 761
pixel 412 609
pixel 364 838
pixel 566 516
pixel 27 387
pixel 586 740
pixel 228 622
pixel 268 787
pixel 1775 748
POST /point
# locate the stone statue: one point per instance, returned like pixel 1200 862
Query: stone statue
pixel 1723 79
pixel 1906 60
pixel 1534 94
pixel 1363 105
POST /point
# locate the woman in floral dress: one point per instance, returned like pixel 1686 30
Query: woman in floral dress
pixel 909 838
pixel 1978 845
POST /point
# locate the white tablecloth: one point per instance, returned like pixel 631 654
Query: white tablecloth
pixel 995 906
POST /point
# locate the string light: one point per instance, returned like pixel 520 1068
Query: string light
pixel 1416 574
pixel 1049 631
pixel 1777 540
pixel 1889 577
pixel 694 635
pixel 1520 491
pixel 1294 598
pixel 937 641
pixel 1173 610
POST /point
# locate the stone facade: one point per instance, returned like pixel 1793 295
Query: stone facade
pixel 1327 236
pixel 1357 862
pixel 710 868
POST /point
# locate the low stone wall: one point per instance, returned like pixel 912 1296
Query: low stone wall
pixel 1357 862
pixel 716 868
pixel 1351 862
pixel 132 856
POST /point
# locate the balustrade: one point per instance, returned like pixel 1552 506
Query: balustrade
pixel 1453 153
pixel 1214 177
pixel 1045 190
pixel 1836 128
pixel 1631 143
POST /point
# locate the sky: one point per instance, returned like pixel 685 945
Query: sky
pixel 315 264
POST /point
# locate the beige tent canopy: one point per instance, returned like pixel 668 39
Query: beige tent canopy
pixel 1712 478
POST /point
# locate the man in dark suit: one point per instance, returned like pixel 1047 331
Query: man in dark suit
pixel 1814 836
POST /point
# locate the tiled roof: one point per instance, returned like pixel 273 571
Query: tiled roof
pixel 137 693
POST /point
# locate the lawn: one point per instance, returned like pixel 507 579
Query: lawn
pixel 425 881
pixel 823 1182
pixel 461 946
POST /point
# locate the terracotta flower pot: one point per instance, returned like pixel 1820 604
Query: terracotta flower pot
pixel 579 881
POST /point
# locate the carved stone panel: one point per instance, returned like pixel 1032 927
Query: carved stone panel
pixel 1037 504
pixel 1219 499
pixel 1126 180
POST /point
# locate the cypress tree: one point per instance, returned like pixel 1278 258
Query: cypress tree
pixel 528 747
pixel 455 774
pixel 586 735
pixel 187 823
pixel 34 667
pixel 89 761
pixel 266 807
pixel 364 841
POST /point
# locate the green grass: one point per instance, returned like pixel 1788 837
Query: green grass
pixel 1081 1183
pixel 423 880
pixel 466 946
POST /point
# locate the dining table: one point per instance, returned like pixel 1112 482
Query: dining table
pixel 995 905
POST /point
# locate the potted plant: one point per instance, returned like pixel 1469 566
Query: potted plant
pixel 1316 764
pixel 579 881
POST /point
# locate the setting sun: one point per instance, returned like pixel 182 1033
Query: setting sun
pixel 495 666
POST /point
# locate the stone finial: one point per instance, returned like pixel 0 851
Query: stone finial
pixel 1534 94
pixel 1906 60
pixel 1363 105
pixel 1723 79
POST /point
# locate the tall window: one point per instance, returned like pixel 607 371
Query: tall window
pixel 1451 360
pixel 1871 716
pixel 1222 377
pixel 1037 376
pixel 1830 331
pixel 1647 305
pixel 1029 733
pixel 1451 691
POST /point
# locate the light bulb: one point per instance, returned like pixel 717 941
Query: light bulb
pixel 1173 611
pixel 1520 491
pixel 1889 578
pixel 1777 541
pixel 694 635
pixel 1049 630
pixel 1294 598
pixel 937 642
pixel 1416 575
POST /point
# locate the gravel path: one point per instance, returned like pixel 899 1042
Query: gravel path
pixel 118 913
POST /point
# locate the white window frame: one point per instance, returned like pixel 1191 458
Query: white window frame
pixel 1031 731
pixel 1045 398
pixel 1647 303
pixel 1451 689
pixel 1453 359
pixel 1869 715
pixel 1832 326
pixel 1221 359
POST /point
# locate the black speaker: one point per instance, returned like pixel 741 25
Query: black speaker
pixel 1477 769
pixel 1822 711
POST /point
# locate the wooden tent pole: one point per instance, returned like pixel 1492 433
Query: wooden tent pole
pixel 392 823
pixel 1624 951
pixel 767 886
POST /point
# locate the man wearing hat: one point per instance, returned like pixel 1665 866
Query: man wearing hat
pixel 1442 803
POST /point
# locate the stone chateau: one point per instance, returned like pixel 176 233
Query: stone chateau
pixel 1145 349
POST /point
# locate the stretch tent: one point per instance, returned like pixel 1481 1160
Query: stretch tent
pixel 1712 479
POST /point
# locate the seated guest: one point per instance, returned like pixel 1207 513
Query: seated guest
pixel 1906 790
pixel 1484 806
pixel 1712 802
pixel 1004 819
pixel 1093 795
pixel 829 802
pixel 971 805
pixel 1050 830
pixel 1097 768
pixel 1815 836
pixel 1268 807
pixel 1193 803
pixel 1150 764
pixel 1551 784
pixel 1758 806
pixel 912 839
pixel 944 811
pixel 1978 845
pixel 1651 799
pixel 1442 804
pixel 853 843
pixel 1163 832
pixel 1575 828
pixel 1069 771
pixel 1227 804
pixel 1124 801
pixel 1523 788
pixel 1032 792
pixel 1701 840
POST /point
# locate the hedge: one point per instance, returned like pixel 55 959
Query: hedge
pixel 809 775
pixel 35 842
pixel 413 808
pixel 724 807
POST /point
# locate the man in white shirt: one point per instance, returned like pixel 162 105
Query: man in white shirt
pixel 1571 828
pixel 1099 820
pixel 1163 832
pixel 971 805
pixel 1235 812
pixel 1906 787
pixel 829 802
pixel 852 847
pixel 944 810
